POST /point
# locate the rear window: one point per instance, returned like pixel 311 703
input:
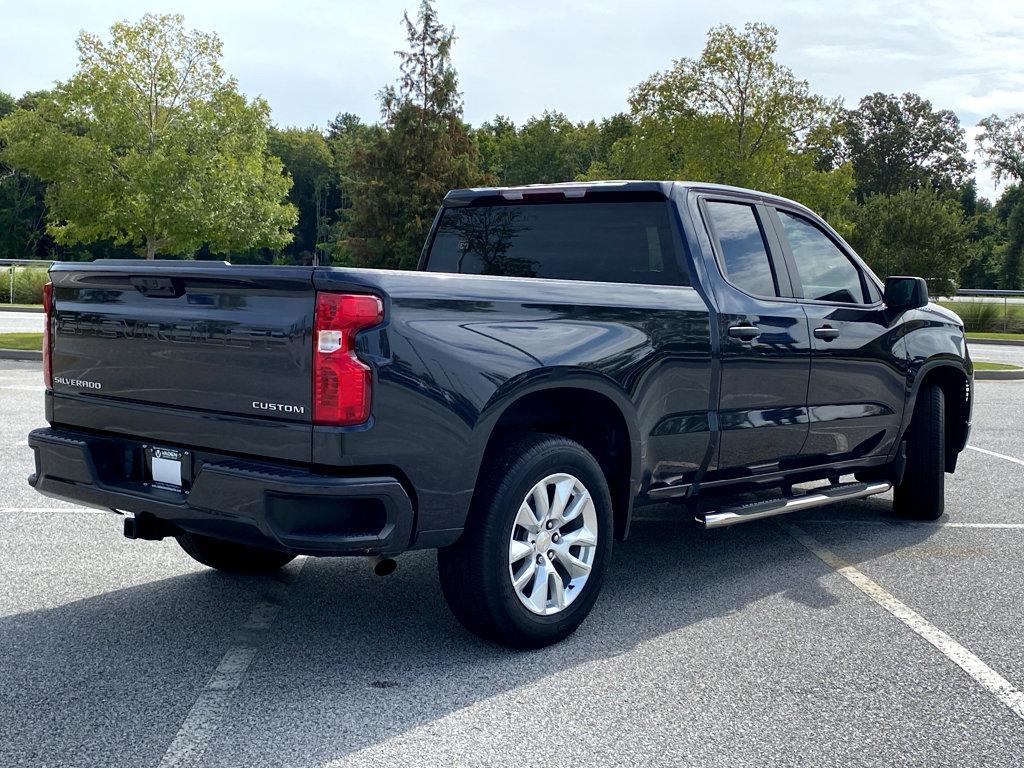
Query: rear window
pixel 620 242
pixel 743 248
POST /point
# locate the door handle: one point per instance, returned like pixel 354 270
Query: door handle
pixel 746 333
pixel 826 333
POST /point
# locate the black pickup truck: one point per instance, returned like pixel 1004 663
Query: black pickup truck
pixel 562 354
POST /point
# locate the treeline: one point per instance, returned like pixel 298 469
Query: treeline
pixel 139 153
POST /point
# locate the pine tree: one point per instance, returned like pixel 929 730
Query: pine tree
pixel 424 150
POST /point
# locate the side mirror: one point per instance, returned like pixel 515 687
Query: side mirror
pixel 905 293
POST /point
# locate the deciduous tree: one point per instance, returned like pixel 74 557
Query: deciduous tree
pixel 734 115
pixel 22 210
pixel 307 158
pixel 898 143
pixel 1002 146
pixel 150 143
pixel 913 232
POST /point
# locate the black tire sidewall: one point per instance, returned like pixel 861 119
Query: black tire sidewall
pixel 921 492
pixel 557 455
pixel 232 557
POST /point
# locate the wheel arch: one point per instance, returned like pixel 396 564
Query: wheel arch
pixel 583 407
pixel 957 383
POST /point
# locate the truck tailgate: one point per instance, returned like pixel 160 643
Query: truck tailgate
pixel 209 338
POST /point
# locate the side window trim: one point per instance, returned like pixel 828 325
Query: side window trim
pixel 684 259
pixel 777 252
pixel 772 215
pixel 798 291
pixel 780 268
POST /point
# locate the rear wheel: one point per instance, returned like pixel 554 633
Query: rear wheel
pixel 231 556
pixel 921 492
pixel 531 561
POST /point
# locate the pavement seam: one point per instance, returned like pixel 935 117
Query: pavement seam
pixel 210 708
pixel 985 676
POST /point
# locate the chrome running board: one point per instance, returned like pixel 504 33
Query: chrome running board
pixel 754 511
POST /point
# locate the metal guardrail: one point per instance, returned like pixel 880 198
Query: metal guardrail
pixel 25 262
pixel 1010 298
pixel 988 292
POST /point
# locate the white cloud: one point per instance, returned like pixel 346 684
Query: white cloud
pixel 313 60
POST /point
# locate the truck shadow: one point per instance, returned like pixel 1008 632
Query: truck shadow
pixel 353 660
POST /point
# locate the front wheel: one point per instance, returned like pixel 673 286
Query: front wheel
pixel 537 544
pixel 921 494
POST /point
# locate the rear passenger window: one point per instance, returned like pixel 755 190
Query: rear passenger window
pixel 826 273
pixel 620 242
pixel 743 248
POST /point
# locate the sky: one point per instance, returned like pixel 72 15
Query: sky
pixel 314 59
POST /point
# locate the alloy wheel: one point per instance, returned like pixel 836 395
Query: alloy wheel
pixel 553 544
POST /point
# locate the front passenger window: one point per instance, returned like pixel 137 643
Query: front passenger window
pixel 826 273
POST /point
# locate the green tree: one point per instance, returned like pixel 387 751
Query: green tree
pixel 347 135
pixel 913 232
pixel 1009 213
pixel 1001 143
pixel 547 151
pixel 308 159
pixel 498 143
pixel 7 104
pixel 549 148
pixel 149 143
pixel 22 210
pixel 735 115
pixel 900 143
pixel 424 150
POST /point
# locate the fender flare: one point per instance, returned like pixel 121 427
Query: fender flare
pixel 561 378
pixel 962 368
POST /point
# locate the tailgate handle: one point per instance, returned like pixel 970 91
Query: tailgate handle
pixel 158 287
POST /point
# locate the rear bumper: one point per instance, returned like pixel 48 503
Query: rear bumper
pixel 262 504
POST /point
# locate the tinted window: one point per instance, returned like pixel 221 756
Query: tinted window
pixel 743 248
pixel 825 272
pixel 621 242
pixel 874 295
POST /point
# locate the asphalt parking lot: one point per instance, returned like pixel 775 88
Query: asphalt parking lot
pixel 751 645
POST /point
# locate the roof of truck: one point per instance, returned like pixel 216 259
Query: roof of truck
pixel 580 189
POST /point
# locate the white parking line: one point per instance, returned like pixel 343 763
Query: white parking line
pixel 996 454
pixel 208 711
pixel 970 663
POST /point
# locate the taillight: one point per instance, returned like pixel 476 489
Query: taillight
pixel 47 351
pixel 341 382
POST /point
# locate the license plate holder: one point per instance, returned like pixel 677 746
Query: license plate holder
pixel 167 468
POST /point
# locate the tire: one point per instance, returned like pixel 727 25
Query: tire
pixel 478 571
pixel 231 556
pixel 921 492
